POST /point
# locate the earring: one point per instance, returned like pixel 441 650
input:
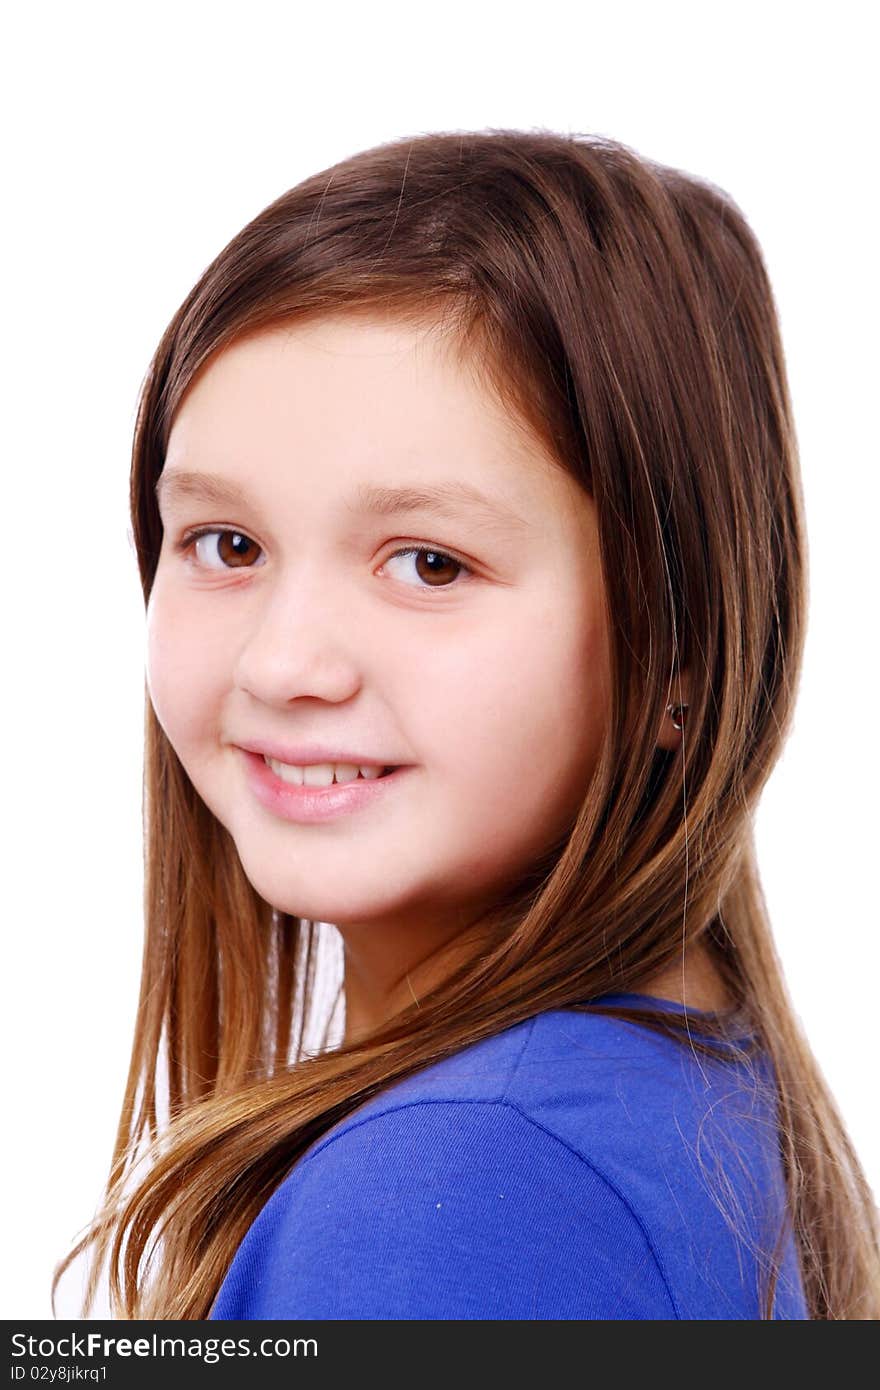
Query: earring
pixel 676 713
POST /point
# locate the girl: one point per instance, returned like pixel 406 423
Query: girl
pixel 468 515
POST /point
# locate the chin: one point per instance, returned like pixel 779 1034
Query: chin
pixel 309 900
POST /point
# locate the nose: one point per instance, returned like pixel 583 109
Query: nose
pixel 299 642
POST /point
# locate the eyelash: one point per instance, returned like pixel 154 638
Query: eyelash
pixel 188 540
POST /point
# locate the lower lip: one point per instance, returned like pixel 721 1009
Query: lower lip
pixel 307 805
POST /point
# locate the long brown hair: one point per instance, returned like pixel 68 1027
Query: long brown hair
pixel 621 312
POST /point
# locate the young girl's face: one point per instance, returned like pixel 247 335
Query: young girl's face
pixel 479 662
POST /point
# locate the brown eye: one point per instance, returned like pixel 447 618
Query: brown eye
pixel 433 568
pixel 233 549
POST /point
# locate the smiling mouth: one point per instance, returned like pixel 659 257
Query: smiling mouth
pixel 295 775
pixel 315 803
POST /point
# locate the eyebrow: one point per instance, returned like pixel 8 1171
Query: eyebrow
pixel 445 499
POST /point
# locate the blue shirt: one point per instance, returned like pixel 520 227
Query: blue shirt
pixel 564 1168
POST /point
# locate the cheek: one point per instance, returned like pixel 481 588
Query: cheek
pixel 518 719
pixel 178 674
pixel 521 705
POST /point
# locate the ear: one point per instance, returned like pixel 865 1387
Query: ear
pixel 679 693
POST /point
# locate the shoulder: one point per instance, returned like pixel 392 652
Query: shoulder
pixel 532 1175
pixel 445 1209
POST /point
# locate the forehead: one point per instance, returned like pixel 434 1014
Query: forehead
pixel 348 400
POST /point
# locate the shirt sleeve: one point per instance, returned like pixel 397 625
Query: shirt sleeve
pixel 445 1210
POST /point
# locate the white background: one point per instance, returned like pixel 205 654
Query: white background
pixel 138 141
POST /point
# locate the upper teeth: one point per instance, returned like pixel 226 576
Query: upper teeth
pixel 319 774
